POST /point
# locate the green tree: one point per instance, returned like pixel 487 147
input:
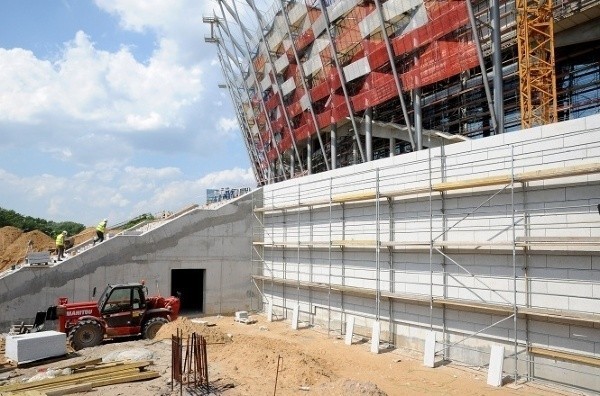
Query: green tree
pixel 28 223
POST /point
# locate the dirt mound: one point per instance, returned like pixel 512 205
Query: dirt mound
pixel 84 235
pixel 345 387
pixel 14 244
pixel 297 366
pixel 186 327
pixel 8 235
pixel 16 251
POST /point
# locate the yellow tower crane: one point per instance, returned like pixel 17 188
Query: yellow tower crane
pixel 537 75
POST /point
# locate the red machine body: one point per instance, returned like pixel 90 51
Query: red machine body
pixel 122 310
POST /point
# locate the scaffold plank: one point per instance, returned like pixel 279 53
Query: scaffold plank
pixel 565 356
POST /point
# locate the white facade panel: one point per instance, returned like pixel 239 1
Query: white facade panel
pixel 296 12
pixel 282 63
pixel 357 69
pixel 305 102
pixel 339 8
pixel 312 65
pixel 393 10
pixel 319 26
pixel 288 86
pixel 266 82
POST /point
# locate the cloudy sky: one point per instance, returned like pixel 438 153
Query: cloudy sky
pixel 110 108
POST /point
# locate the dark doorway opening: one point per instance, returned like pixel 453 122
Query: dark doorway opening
pixel 188 284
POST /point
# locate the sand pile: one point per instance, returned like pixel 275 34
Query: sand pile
pixel 186 327
pixel 15 244
pixel 85 235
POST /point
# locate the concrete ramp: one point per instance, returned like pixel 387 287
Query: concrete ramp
pixel 212 242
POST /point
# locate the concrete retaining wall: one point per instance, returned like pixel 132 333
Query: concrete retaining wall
pixel 216 240
pixel 475 230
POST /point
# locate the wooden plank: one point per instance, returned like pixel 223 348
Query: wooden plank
pixel 554 173
pixel 355 242
pixel 565 356
pixel 85 363
pixel 145 375
pixel 109 370
pixel 555 239
pixel 67 390
pixel 472 183
pixel 354 197
pixel 405 192
pixel 69 380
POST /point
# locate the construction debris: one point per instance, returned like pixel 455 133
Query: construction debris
pixel 242 317
pixel 83 376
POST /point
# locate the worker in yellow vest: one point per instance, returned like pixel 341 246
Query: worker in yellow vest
pixel 100 229
pixel 60 245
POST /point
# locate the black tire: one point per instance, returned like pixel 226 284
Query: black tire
pixel 85 334
pixel 152 326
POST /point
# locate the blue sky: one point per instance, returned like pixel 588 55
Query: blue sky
pixel 110 108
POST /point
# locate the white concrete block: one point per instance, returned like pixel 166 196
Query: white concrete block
pixel 295 316
pixel 592 122
pixel 30 347
pixel 496 364
pixel 571 344
pixel 349 331
pixel 429 353
pixel 375 335
pixel 270 311
pixel 587 305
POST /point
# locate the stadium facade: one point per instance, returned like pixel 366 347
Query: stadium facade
pixel 429 175
pixel 319 81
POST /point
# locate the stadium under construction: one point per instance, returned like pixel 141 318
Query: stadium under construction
pixel 429 174
pixel 428 179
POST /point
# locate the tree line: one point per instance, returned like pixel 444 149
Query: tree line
pixel 28 223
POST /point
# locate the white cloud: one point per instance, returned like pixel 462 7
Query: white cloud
pixel 89 114
pixel 178 194
pixel 110 90
pixel 228 127
pixel 118 193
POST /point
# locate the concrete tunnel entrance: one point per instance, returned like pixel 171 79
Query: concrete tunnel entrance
pixel 189 285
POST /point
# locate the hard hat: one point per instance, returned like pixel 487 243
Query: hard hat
pixel 65 232
pixel 105 220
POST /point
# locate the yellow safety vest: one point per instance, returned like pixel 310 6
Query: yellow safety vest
pixel 60 240
pixel 101 227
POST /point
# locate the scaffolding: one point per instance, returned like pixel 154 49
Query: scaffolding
pixel 318 66
pixel 481 221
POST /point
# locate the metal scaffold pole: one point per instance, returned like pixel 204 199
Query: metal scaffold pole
pixel 377 247
pixel 514 259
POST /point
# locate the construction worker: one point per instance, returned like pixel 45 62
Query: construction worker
pixel 60 245
pixel 100 231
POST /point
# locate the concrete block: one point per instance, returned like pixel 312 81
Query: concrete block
pixel 496 364
pixel 584 333
pixel 429 353
pixel 30 347
pixel 576 346
pixel 349 330
pixel 375 336
pixel 569 289
pixel 295 317
pixel 270 311
pixel 587 305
